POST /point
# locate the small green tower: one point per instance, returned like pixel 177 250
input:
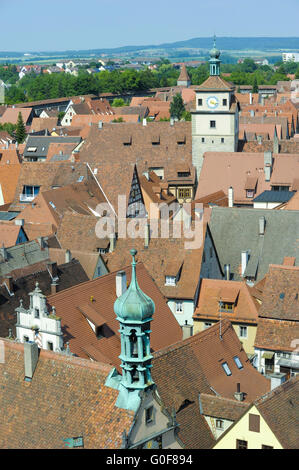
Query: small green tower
pixel 134 311
pixel 214 60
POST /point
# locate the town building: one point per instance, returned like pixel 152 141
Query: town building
pixel 215 119
pixel 271 422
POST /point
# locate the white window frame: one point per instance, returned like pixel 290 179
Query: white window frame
pixel 179 307
pixel 170 281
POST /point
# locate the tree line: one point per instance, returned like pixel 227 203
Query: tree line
pixel 34 87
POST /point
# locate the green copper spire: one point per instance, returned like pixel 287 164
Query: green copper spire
pixel 134 310
pixel 214 60
pixel 134 305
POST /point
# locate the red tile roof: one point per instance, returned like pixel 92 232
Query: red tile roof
pixel 66 398
pixel 213 290
pixel 100 295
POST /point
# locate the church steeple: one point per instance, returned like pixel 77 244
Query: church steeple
pixel 134 311
pixel 214 60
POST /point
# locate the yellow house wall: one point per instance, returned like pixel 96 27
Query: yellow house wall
pixel 255 439
pixel 248 343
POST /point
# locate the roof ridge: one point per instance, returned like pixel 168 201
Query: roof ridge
pixel 46 354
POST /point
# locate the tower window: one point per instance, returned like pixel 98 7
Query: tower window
pixel 202 139
pixel 222 140
pixel 50 346
pixel 133 342
pixel 212 124
pixel 36 313
pixel 200 102
pixel 149 415
pixel 135 375
pixel 224 102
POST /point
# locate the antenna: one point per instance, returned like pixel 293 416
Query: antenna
pixel 220 330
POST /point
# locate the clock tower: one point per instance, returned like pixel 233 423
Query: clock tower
pixel 215 119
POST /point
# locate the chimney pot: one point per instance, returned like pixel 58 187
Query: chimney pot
pixel 146 235
pixel 187 330
pixel 244 261
pixel 230 197
pixel 30 358
pixel 120 283
pixel 227 272
pixel 52 268
pixel 68 256
pixel 262 223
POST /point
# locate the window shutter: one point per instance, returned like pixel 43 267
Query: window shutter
pixel 254 423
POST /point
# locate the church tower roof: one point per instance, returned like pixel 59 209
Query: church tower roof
pixel 134 305
pixel 184 76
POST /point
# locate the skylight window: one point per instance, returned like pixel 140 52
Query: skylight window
pixel 52 204
pixel 281 296
pixel 238 362
pixel 80 179
pixel 32 149
pixel 226 369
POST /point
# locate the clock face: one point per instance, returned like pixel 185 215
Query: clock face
pixel 212 102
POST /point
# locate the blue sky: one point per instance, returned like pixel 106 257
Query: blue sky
pixel 83 24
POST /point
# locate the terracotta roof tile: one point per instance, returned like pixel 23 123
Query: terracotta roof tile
pixel 212 290
pixel 70 400
pixel 100 295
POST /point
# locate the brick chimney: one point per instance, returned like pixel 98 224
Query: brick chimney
pixel 238 394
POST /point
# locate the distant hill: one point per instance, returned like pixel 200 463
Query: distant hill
pixel 267 44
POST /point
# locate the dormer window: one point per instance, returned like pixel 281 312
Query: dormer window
pixel 226 306
pixel 170 281
pixel 249 193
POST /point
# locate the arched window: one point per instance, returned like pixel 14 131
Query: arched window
pixel 133 343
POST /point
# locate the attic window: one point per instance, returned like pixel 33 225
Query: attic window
pixel 238 362
pixel 226 306
pixel 149 415
pixel 155 140
pixel 127 140
pixel 170 280
pixel 226 369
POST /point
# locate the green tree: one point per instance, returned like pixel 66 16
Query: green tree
pixel 118 102
pixel 255 88
pixel 20 130
pixel 186 116
pixel 177 106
